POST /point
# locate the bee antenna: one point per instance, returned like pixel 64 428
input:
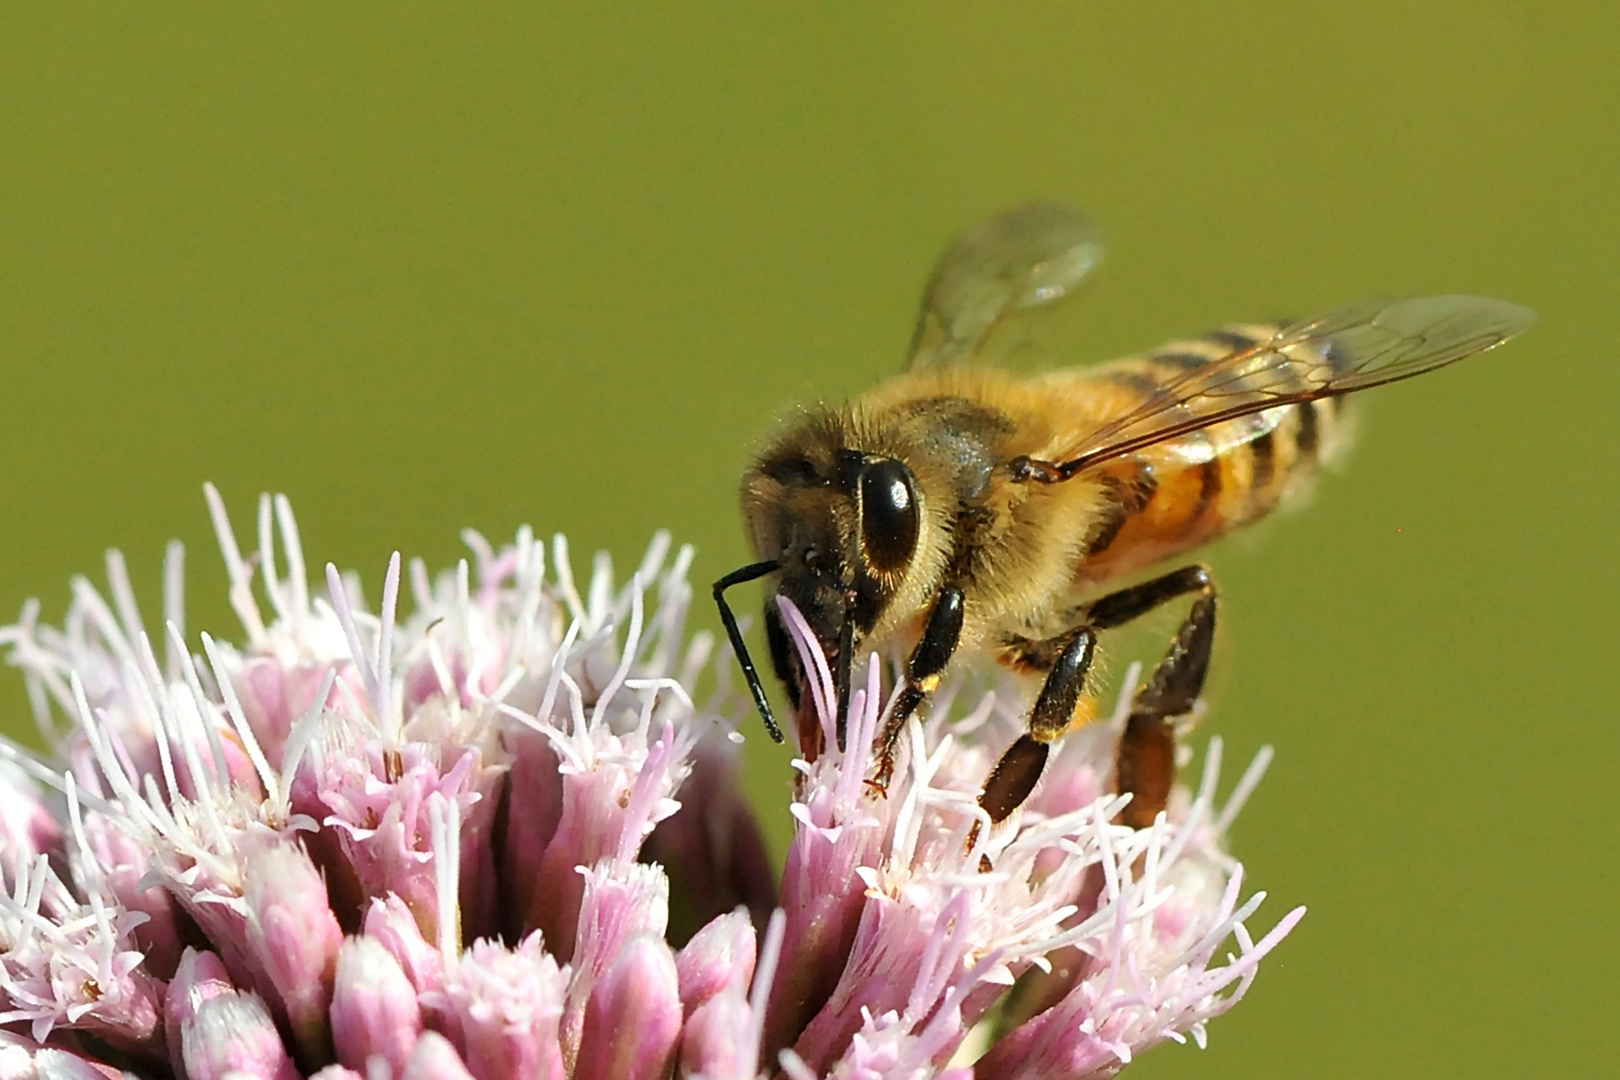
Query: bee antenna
pixel 751 572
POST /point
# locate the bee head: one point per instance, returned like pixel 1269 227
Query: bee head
pixel 842 525
pixel 850 513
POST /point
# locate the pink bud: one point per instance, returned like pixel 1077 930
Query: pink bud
pixel 634 1016
pixel 275 694
pixel 435 1059
pixel 896 945
pixel 390 922
pixel 823 897
pixel 507 1003
pixel 233 1036
pixel 720 955
pixel 374 1009
pixel 293 938
pixel 710 1044
pixel 378 800
pixel 26 825
pixel 481 897
pixel 592 808
pixel 618 905
pixel 200 977
pixel 22 1059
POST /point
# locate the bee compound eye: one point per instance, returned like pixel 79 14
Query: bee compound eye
pixel 888 515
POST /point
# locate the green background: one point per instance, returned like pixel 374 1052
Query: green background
pixel 423 268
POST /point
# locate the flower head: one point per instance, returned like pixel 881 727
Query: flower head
pixel 498 837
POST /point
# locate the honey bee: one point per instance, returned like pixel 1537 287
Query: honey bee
pixel 959 507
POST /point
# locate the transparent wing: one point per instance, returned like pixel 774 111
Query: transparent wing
pixel 1345 350
pixel 1028 257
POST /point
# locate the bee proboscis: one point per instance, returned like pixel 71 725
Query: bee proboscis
pixel 961 507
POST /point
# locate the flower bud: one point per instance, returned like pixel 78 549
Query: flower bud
pixel 634 1016
pixel 22 1059
pixel 374 1008
pixel 275 694
pixel 720 955
pixel 619 904
pixel 199 977
pixel 534 807
pixel 26 825
pixel 710 1043
pixel 293 938
pixel 389 922
pixel 232 1035
pixel 435 1059
pixel 507 1003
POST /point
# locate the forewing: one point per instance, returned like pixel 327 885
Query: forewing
pixel 1345 350
pixel 1029 257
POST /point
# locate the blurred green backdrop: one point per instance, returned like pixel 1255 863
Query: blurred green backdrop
pixel 423 268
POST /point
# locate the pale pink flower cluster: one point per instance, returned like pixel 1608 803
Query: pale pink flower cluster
pixel 497 838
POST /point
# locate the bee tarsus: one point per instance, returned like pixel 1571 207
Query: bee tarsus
pixel 1145 763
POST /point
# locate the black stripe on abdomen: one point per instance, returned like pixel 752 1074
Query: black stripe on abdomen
pixel 1126 497
pixel 1231 339
pixel 1175 363
pixel 1309 437
pixel 1264 451
pixel 1209 489
pixel 1107 531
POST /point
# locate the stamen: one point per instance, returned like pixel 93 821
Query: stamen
pixel 383 666
pixel 1245 787
pixel 362 661
pixel 174 600
pixel 565 582
pixel 236 571
pixel 297 582
pixel 444 814
pixel 267 560
pixel 233 709
pixel 627 655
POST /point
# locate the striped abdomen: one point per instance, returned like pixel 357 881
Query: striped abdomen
pixel 1178 495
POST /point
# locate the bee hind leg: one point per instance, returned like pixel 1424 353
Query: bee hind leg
pixel 1145 765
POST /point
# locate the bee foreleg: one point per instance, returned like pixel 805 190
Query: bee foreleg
pixel 1146 762
pixel 927 661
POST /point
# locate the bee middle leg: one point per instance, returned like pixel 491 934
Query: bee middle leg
pixel 1016 774
pixel 1145 766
